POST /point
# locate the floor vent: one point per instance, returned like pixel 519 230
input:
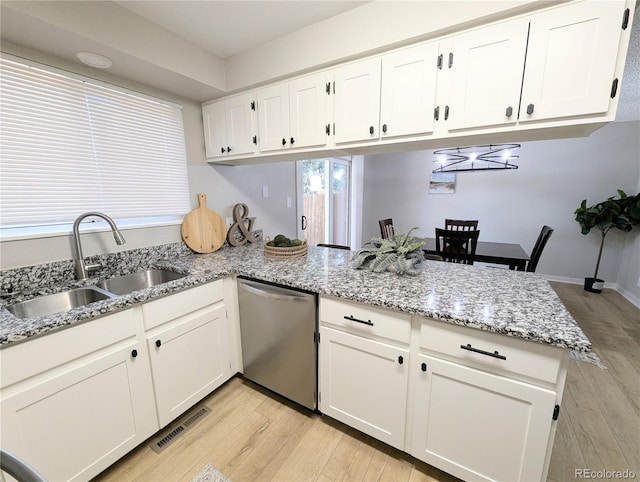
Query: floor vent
pixel 179 427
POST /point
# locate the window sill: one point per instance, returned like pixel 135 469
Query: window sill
pixel 92 225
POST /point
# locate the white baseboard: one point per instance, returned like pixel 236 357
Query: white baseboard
pixel 614 286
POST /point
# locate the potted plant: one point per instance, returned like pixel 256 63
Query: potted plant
pixel 399 254
pixel 621 213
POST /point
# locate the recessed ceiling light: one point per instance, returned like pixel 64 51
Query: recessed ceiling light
pixel 94 60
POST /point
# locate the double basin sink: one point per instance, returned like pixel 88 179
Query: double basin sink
pixel 108 288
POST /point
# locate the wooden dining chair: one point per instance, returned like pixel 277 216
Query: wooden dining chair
pixel 460 224
pixel 386 228
pixel 543 237
pixel 336 246
pixel 456 246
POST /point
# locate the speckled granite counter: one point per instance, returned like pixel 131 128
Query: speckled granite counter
pixel 514 303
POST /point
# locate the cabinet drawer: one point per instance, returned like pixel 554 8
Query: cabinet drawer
pixel 179 304
pixel 35 356
pixel 526 358
pixel 365 319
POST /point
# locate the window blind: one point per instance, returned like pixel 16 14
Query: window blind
pixel 70 145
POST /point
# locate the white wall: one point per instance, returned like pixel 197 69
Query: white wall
pixel 227 185
pixel 512 206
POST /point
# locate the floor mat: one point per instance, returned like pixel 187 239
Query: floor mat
pixel 590 357
pixel 209 474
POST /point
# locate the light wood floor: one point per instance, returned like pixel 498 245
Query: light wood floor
pixel 252 434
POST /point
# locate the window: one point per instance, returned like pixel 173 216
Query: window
pixel 70 144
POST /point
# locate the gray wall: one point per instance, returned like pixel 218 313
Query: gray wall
pixel 512 206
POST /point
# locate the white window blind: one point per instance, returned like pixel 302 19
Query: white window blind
pixel 70 145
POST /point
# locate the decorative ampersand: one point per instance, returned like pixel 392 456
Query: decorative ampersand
pixel 240 217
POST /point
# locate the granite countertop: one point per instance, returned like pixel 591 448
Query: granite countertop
pixel 514 303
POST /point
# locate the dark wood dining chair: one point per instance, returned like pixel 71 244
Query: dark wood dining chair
pixel 456 246
pixel 386 228
pixel 336 246
pixel 460 224
pixel 543 237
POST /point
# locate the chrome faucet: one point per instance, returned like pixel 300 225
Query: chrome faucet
pixel 81 268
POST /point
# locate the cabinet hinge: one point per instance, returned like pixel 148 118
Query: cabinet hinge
pixel 316 337
pixel 556 412
pixel 327 88
pixel 334 128
pixel 450 59
pixel 614 88
pixel 334 88
pixel 319 397
pixel 327 129
pixel 625 19
pixel 255 140
pixel 440 61
pixel 253 105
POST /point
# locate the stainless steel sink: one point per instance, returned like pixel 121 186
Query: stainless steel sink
pixel 57 303
pixel 122 285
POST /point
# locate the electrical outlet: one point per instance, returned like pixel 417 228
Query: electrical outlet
pixel 265 191
pixel 288 201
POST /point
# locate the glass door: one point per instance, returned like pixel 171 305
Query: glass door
pixel 324 201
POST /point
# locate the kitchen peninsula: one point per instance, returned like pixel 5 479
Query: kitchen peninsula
pixel 435 348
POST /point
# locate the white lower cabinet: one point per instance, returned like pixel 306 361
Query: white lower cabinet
pixel 479 426
pixel 363 383
pixel 75 401
pixel 189 359
pixel 478 405
pixel 72 420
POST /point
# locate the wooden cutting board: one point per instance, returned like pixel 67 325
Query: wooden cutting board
pixel 203 230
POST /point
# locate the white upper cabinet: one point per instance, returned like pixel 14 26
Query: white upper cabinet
pixel 571 61
pixel 273 117
pixel 308 99
pixel 486 68
pixel 357 101
pixel 408 91
pixel 228 126
pixel 293 114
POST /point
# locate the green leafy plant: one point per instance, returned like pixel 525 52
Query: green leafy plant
pixel 620 213
pixel 399 254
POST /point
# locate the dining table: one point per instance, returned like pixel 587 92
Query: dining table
pixel 510 254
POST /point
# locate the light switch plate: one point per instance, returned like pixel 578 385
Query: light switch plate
pixel 265 191
pixel 288 201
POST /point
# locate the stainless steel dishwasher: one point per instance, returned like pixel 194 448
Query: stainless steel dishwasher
pixel 279 331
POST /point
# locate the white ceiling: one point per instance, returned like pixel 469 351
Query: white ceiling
pixel 227 28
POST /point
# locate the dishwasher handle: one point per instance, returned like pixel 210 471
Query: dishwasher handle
pixel 264 292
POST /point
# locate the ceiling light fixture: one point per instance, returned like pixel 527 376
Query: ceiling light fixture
pixel 492 157
pixel 94 60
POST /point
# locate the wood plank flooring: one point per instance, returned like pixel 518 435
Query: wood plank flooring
pixel 254 435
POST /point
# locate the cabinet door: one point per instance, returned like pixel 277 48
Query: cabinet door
pixel 189 359
pixel 486 76
pixel 239 124
pixel 215 129
pixel 273 117
pixel 308 109
pixel 480 426
pixel 408 91
pixel 571 61
pixel 76 423
pixel 357 101
pixel 363 383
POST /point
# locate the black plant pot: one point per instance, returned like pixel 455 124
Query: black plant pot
pixel 594 285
